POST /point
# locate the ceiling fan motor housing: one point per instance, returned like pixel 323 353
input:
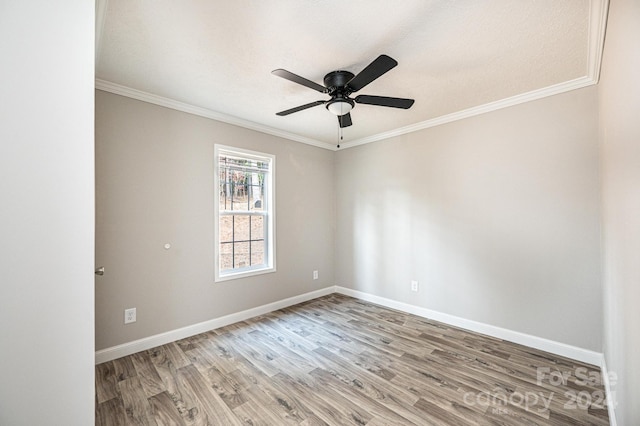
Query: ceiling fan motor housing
pixel 336 82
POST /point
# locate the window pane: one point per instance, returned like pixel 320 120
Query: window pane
pixel 257 227
pixel 256 192
pixel 241 255
pixel 238 234
pixel 226 229
pixel 239 193
pixel 241 224
pixel 224 190
pixel 257 253
pixel 241 189
pixel 226 256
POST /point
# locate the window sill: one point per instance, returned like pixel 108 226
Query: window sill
pixel 243 274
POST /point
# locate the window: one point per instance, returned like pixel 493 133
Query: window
pixel 244 209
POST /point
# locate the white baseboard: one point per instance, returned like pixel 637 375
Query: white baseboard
pixel 573 352
pixel 611 395
pixel 551 346
pixel 129 348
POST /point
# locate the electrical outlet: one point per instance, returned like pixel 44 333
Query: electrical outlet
pixel 315 275
pixel 414 285
pixel 129 315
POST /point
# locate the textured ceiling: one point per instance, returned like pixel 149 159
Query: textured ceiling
pixel 453 56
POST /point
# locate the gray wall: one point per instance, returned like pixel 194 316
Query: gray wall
pixel 46 213
pixel 496 216
pixel 620 134
pixel 154 185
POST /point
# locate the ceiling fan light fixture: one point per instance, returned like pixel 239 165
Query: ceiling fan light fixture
pixel 340 106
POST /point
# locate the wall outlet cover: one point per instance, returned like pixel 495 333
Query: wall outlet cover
pixel 129 315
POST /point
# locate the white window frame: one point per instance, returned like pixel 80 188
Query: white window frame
pixel 268 214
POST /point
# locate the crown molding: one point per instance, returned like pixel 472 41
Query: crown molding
pixel 598 11
pixel 481 109
pixel 129 92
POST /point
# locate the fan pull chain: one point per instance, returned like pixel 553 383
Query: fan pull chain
pixel 339 134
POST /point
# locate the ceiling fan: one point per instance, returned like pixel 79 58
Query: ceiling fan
pixel 340 84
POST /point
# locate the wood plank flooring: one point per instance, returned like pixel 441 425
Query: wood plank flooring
pixel 341 361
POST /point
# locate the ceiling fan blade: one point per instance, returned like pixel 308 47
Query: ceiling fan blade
pixel 300 108
pixel 385 101
pixel 345 120
pixel 287 75
pixel 375 69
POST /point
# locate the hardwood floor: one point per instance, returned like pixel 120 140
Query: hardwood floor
pixel 341 361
